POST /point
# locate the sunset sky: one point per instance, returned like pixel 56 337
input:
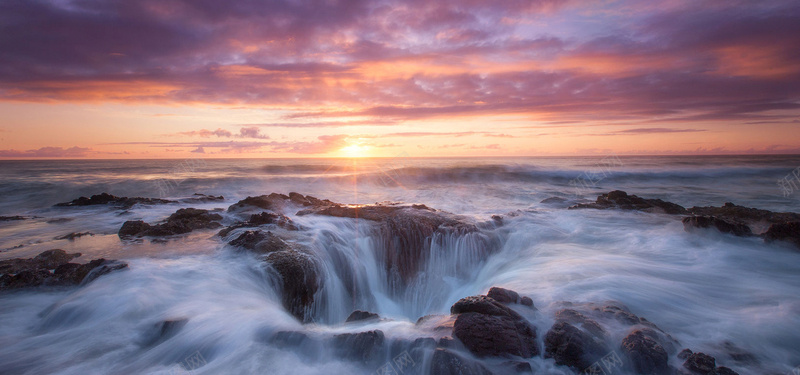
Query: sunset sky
pixel 297 78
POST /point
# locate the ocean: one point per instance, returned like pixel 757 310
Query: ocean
pixel 705 289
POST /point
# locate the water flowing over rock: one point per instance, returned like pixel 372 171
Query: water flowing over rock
pixel 489 328
pixel 646 355
pixel 52 268
pixel 358 316
pixel 572 347
pixel 733 227
pixel 300 281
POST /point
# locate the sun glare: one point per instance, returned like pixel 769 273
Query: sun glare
pixel 355 151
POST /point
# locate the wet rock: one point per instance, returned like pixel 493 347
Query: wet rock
pixel 23 273
pixel 105 198
pixel 789 232
pixel 745 214
pixel 553 200
pixel 364 347
pixel 483 305
pixel 197 197
pixel 684 354
pixel 285 339
pixel 445 362
pixel 182 221
pixel 273 202
pixel 722 370
pixel 260 242
pixel 572 347
pixel 496 335
pixel 72 236
pixel 621 200
pixel 700 363
pixel 734 227
pixel 503 295
pixel 300 279
pixel 359 315
pixel 576 318
pixel 526 301
pixel 518 367
pixel 645 354
pixel 133 228
pixel 11 218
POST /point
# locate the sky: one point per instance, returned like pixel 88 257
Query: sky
pixel 381 78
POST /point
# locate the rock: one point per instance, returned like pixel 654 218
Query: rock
pixel 197 197
pixel 11 218
pixel 289 339
pixel 736 228
pixel 133 228
pixel 746 215
pixel 526 301
pixel 300 279
pixel 684 354
pixel 789 232
pixel 496 335
pixel 621 200
pixel 483 305
pixel 700 363
pixel 519 367
pixel 364 347
pixel 553 200
pixel 72 236
pixel 105 198
pixel 273 202
pixel 503 295
pixel 722 370
pixel 359 315
pixel 260 242
pixel 182 221
pixel 570 346
pixel 445 362
pixel 645 354
pixel 23 273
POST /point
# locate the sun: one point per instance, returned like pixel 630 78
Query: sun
pixel 355 151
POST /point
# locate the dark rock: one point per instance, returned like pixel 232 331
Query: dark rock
pixel 132 228
pixel 570 346
pixel 503 295
pixel 736 228
pixel 746 215
pixel 553 200
pixel 364 347
pixel 359 315
pixel 496 335
pixel 182 221
pixel 645 354
pixel 11 218
pixel 738 354
pixel 23 273
pixel 266 218
pixel 197 197
pixel 105 198
pixel 445 362
pixel 789 232
pixel 526 301
pixel 621 200
pixel 273 202
pixel 519 367
pixel 700 363
pixel 722 370
pixel 684 354
pixel 260 242
pixel 483 305
pixel 72 236
pixel 300 281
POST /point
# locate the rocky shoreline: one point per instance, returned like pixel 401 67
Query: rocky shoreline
pixel 485 334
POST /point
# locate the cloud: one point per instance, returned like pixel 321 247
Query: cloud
pixel 640 131
pixel 392 61
pixel 47 152
pixel 199 150
pixel 251 132
pixel 208 133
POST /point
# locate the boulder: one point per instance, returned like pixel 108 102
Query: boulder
pixel 700 363
pixel 445 362
pixel 52 268
pixel 260 242
pixel 358 315
pixel 300 280
pixel 503 295
pixel 483 305
pixel 572 347
pixel 645 354
pixel 496 335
